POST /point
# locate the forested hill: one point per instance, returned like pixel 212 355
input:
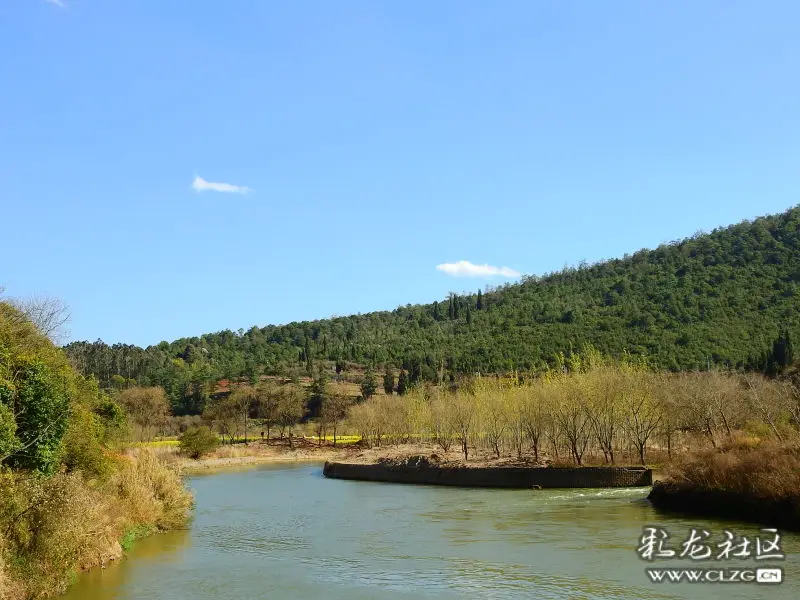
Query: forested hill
pixel 718 298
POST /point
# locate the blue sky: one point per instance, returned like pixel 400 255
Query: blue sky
pixel 376 141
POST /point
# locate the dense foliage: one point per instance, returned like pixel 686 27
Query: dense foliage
pixel 66 496
pixel 728 298
pixel 197 441
pixel 42 398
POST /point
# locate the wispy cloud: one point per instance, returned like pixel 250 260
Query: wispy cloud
pixel 464 268
pixel 58 3
pixel 201 185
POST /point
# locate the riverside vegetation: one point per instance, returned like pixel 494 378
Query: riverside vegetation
pixel 69 499
pixel 646 358
pixel 734 432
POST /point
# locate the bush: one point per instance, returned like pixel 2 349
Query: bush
pixel 766 470
pixel 197 441
pixel 82 448
pixel 151 493
pixel 53 527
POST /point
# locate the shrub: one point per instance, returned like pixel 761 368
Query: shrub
pixel 82 448
pixel 197 441
pixel 766 470
pixel 53 527
pixel 152 492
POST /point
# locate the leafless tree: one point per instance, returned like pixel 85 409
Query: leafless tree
pixel 49 314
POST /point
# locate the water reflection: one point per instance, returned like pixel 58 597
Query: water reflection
pixel 106 584
pixel 286 532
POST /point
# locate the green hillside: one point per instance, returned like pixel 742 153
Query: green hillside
pixel 714 299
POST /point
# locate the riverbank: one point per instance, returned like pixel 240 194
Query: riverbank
pixel 56 527
pixel 276 451
pixel 253 454
pixel 260 452
pixel 757 483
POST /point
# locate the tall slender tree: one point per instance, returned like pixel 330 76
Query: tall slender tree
pixel 402 383
pixel 388 381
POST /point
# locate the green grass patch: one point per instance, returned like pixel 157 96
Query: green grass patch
pixel 157 444
pixel 340 439
pixel 134 533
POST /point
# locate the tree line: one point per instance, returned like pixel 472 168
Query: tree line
pixel 717 300
pixel 607 409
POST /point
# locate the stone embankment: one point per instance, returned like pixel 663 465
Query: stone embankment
pixel 420 470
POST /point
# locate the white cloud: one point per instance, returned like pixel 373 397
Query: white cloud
pixel 464 268
pixel 58 3
pixel 201 185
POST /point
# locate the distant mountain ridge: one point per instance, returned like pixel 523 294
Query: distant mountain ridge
pixel 720 298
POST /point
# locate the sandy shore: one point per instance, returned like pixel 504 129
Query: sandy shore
pixel 278 451
pixel 212 463
pixel 254 454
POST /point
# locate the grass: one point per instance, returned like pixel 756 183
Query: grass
pixel 157 444
pixel 51 528
pixel 340 439
pixel 754 469
pixel 134 533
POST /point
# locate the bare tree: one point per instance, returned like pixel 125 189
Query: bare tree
pixel 670 411
pixel 791 400
pixel 571 419
pixel 724 398
pixel 602 407
pixel 49 314
pixel 464 412
pixel 699 413
pixel 244 399
pixel 642 414
pixel 535 417
pixel 267 402
pixel 767 399
pixel 334 409
pixel 440 419
pixel 291 405
pixel 495 413
pixel 225 415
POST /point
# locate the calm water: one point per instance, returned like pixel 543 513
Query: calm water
pixel 287 533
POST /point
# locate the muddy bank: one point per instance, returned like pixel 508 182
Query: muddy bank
pixel 211 464
pixel 420 470
pixel 690 500
pixel 255 453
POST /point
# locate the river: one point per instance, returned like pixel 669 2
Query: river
pixel 286 532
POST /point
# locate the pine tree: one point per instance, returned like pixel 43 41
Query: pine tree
pixel 415 374
pixel 309 360
pixel 318 392
pixel 368 385
pixel 437 315
pixel 479 305
pixel 469 316
pixel 402 383
pixel 788 355
pixel 388 381
pixel 782 353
